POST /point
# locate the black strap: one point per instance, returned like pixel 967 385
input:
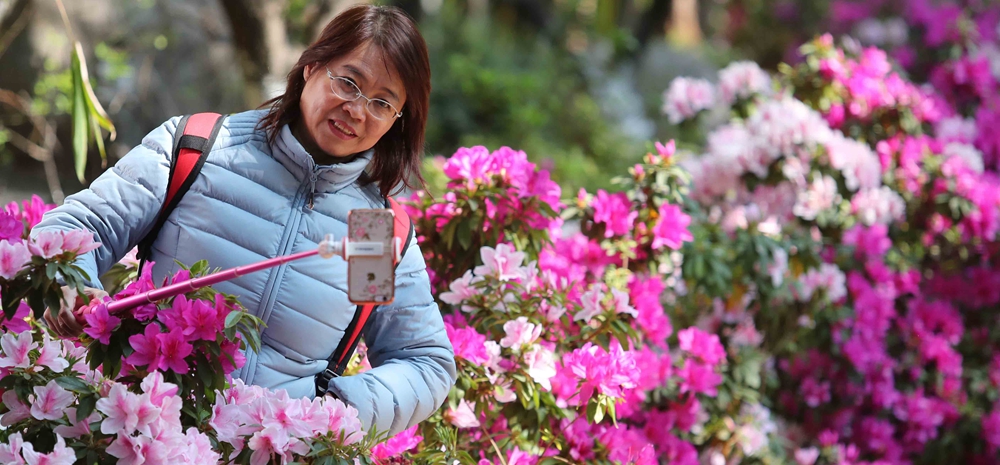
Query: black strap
pixel 181 141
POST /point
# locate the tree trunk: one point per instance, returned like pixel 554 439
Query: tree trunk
pixel 685 25
pixel 262 47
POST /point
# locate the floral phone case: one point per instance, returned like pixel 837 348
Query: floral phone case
pixel 371 280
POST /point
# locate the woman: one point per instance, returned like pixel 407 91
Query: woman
pixel 347 131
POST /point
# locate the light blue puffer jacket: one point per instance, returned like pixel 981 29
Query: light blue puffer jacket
pixel 249 204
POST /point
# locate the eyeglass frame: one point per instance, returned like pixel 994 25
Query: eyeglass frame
pixel 395 114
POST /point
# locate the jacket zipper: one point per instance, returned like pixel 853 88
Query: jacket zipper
pixel 271 288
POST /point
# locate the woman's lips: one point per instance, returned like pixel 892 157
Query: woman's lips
pixel 337 131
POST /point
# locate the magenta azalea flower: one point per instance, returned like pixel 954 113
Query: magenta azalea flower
pixel 615 212
pixel 11 228
pixel 468 344
pixel 699 378
pixel 671 229
pixel 702 345
pixel 100 324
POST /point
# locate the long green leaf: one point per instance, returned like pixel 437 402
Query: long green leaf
pixel 81 127
pixel 94 106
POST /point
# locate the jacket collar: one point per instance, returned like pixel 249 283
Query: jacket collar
pixel 324 178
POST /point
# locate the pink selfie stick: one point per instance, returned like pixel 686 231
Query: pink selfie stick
pixel 327 249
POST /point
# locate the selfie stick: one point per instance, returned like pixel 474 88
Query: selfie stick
pixel 327 249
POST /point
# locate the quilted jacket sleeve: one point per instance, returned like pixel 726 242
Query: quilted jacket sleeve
pixel 413 360
pixel 121 205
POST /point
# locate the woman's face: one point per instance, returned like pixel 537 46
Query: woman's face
pixel 339 127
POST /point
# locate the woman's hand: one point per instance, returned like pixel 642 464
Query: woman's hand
pixel 64 321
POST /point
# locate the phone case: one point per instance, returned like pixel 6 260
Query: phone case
pixel 371 280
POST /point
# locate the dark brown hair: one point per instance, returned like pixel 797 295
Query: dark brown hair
pixel 398 153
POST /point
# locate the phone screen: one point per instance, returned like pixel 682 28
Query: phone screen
pixel 371 279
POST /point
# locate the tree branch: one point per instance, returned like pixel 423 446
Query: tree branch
pixel 13 23
pixel 42 152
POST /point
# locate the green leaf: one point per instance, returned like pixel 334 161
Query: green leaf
pixel 86 407
pixel 465 235
pixel 73 384
pixel 81 128
pixel 233 318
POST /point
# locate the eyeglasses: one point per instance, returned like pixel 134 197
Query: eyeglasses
pixel 346 89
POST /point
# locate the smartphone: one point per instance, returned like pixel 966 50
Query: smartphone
pixel 371 274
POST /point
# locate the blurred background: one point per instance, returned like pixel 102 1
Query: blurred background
pixel 577 84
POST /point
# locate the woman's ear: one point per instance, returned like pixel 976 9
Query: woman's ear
pixel 307 71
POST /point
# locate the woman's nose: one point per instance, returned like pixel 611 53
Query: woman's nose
pixel 356 109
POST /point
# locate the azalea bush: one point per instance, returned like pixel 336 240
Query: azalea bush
pixel 145 385
pixel 872 338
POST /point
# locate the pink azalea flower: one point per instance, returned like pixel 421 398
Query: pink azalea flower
pixel 100 324
pixel 504 262
pixel 60 455
pixel 806 456
pixel 13 257
pixel 686 97
pixel 615 212
pixel 284 415
pixel 50 401
pixel 10 454
pixel 344 419
pixel 126 412
pixel 47 244
pixel 519 333
pixel 461 289
pixel 267 443
pixel 158 389
pixel 591 304
pixel 130 449
pixel 52 356
pixel 702 345
pixel 199 450
pixel 541 365
pixel 76 428
pixel 79 241
pixel 619 300
pixel 16 349
pixel 16 410
pixel 671 229
pixel 398 444
pixel 463 416
pixel 146 348
pixel 314 419
pixel 699 378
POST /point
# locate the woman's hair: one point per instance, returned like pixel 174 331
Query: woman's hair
pixel 399 152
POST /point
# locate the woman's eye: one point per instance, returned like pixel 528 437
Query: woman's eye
pixel 383 104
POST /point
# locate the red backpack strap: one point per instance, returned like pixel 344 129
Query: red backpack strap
pixel 402 233
pixel 193 140
pixel 402 230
